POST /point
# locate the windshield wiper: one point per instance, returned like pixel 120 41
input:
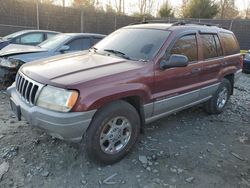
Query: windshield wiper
pixel 116 52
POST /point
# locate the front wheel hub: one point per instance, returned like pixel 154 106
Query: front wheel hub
pixel 115 135
pixel 222 98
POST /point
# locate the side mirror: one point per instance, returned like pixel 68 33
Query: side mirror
pixel 64 48
pixel 175 60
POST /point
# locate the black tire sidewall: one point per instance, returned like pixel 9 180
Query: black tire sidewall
pixel 92 137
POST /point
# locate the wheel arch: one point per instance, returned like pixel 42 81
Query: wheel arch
pixel 137 103
pixel 230 78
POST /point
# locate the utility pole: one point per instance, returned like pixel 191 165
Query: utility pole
pixel 82 20
pixel 37 14
pixel 123 7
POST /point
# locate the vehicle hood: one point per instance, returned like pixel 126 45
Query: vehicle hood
pixel 75 68
pixel 14 49
pixel 28 57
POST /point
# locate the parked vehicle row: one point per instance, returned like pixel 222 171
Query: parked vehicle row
pixel 15 55
pixel 134 76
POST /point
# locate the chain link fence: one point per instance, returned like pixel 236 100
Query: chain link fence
pixel 18 15
pixel 240 27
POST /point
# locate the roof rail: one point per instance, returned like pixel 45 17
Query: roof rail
pixel 182 22
pixel 196 23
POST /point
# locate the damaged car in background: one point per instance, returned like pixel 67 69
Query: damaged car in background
pixel 12 57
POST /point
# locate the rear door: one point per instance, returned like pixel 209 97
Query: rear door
pixel 176 88
pixel 231 50
pixel 213 59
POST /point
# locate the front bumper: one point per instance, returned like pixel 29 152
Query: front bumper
pixel 69 126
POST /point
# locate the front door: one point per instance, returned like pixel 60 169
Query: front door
pixel 178 87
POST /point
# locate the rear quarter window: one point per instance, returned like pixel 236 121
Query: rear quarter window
pixel 230 44
pixel 49 35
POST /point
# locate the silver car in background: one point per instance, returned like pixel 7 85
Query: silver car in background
pixel 13 55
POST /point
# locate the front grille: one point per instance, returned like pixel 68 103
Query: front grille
pixel 27 88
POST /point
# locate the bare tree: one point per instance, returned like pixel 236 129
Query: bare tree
pixel 183 8
pixel 46 1
pixel 109 7
pixel 247 8
pixel 227 9
pixel 146 6
pixel 150 6
pixel 142 6
pixel 120 6
pixel 78 3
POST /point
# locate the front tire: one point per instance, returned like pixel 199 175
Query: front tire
pixel 113 132
pixel 219 100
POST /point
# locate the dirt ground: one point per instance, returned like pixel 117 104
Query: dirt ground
pixel 187 149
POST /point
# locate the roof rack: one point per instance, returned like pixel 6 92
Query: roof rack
pixel 195 23
pixel 182 22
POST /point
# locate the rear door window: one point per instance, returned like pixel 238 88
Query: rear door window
pixel 96 40
pixel 86 43
pixel 230 44
pixel 209 46
pixel 186 45
pixel 33 38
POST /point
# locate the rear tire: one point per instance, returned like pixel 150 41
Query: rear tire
pixel 220 98
pixel 113 132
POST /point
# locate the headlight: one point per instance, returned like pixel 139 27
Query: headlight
pixel 10 63
pixel 57 99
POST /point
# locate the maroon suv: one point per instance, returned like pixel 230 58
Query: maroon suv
pixel 137 74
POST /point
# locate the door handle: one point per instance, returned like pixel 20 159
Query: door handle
pixel 196 70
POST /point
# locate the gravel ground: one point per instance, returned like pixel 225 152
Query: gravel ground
pixel 188 149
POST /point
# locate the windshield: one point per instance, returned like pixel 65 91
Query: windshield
pixel 136 44
pixel 13 35
pixel 54 42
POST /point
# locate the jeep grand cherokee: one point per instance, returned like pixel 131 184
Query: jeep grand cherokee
pixel 137 74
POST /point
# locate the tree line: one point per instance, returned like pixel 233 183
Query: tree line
pixel 220 9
